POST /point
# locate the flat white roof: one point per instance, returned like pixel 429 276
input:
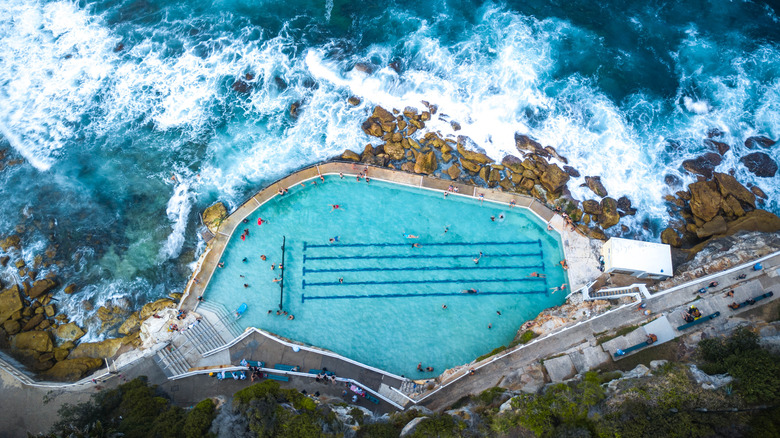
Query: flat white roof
pixel 635 255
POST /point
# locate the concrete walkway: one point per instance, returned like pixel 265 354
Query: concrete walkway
pixel 581 336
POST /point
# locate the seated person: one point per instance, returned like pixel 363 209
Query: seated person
pixel 734 306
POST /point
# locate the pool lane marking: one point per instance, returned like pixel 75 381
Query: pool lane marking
pixel 421 268
pixel 413 295
pixel 412 241
pixel 418 256
pixel 363 283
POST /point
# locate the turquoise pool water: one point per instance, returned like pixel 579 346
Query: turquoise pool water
pixel 374 297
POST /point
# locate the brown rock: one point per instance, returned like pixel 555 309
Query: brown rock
pixel 408 167
pixel 12 241
pixel 10 302
pixel 715 226
pixel 705 199
pixel 20 264
pixel 756 220
pixel 732 207
pixel 759 141
pixel 394 150
pixel 43 325
pixel 372 128
pixel 495 175
pixel 382 115
pixel 554 178
pixel 40 287
pixel 425 163
pixel 591 207
pixel 758 192
pixel 516 177
pixel 553 153
pixel 455 126
pixel 12 327
pixel 670 237
pixel 703 165
pixel 103 349
pixel 350 156
pixel 526 143
pixel 4 260
pixel 513 163
pixel 574 173
pixel 354 101
pixel 718 146
pixel 214 215
pixel 595 185
pixel 469 165
pixel 417 124
pixel 33 322
pixel 527 184
pixel 131 324
pixel 60 353
pixel 69 332
pixel 410 112
pixel 483 173
pixel 609 215
pixel 760 164
pixel 473 156
pixel 72 369
pixel 36 340
pixel 453 171
pixel 728 185
pixel 425 116
pixel 70 289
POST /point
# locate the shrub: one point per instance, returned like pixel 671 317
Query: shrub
pixel 199 419
pixel 492 353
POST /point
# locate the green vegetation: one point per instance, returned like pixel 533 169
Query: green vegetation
pixel 199 420
pixel 620 332
pixel 524 338
pixel 134 409
pixel 756 371
pixel 492 353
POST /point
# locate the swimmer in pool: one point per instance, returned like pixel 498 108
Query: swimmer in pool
pixel 410 236
pixel 334 207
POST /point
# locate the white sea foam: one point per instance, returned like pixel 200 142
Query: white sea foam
pixel 178 212
pixel 54 58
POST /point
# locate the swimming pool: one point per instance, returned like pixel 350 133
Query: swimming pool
pixel 369 280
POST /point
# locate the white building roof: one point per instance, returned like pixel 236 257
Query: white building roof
pixel 635 255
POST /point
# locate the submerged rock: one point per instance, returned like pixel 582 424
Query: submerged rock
pixel 760 164
pixel 703 165
pixel 718 146
pixel 759 141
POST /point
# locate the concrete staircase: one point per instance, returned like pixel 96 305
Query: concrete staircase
pixel 222 320
pixel 172 361
pixel 638 291
pixel 203 336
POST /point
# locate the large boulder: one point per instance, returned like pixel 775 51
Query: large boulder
pixel 595 185
pixel 670 237
pixel 394 150
pixel 131 324
pixel 473 156
pixel 526 143
pixel 513 163
pixel 382 115
pixel 33 322
pixel 40 287
pixel 609 215
pixel 453 171
pixel 424 163
pixel 97 350
pixel 760 164
pixel 69 332
pixel 715 226
pixel 10 302
pixel 72 369
pixel 554 178
pixel 756 220
pixel 703 165
pixel 718 146
pixel 591 207
pixel 759 141
pixel 705 199
pixel 728 185
pixel 150 309
pixel 214 215
pixel 350 155
pixel 469 165
pixel 36 340
pixel 12 241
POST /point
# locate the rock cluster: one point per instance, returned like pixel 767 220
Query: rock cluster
pixel 45 341
pixel 715 208
pixel 407 146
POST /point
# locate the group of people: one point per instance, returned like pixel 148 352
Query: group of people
pixel 691 314
pixel 420 368
pixel 289 316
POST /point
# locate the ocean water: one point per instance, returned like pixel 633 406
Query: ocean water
pixel 129 124
pixel 373 297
